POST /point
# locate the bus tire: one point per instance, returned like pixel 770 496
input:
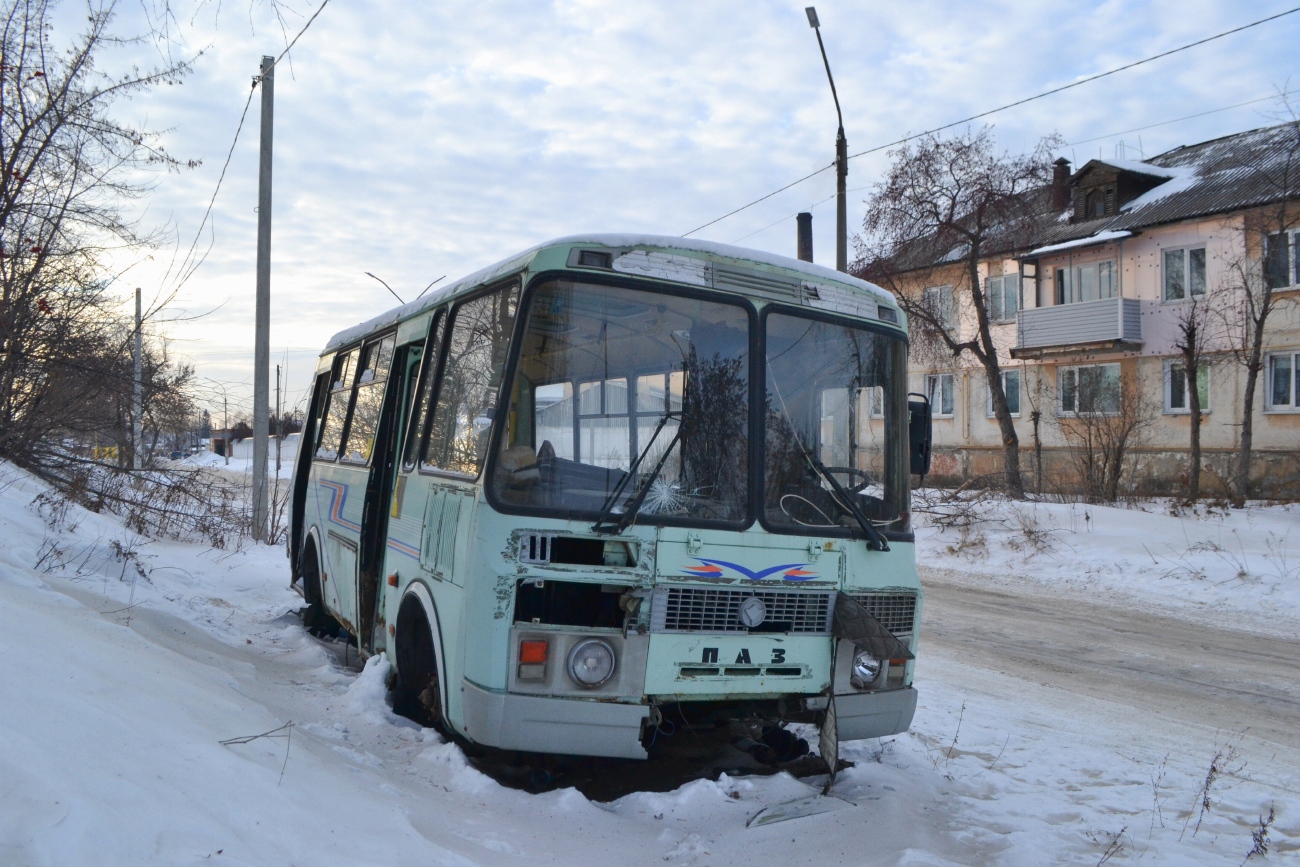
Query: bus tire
pixel 417 694
pixel 315 617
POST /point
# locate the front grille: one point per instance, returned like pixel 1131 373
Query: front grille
pixel 895 611
pixel 698 609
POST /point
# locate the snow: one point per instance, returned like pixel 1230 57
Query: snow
pixel 120 685
pixel 1242 566
pixel 1141 168
pixel 1092 240
pixel 240 465
pixel 1182 178
pixel 634 241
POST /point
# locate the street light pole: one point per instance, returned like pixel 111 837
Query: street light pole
pixel 841 160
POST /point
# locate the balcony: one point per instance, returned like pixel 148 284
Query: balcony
pixel 1111 323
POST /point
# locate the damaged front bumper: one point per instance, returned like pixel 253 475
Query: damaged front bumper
pixel 874 714
pixel 542 724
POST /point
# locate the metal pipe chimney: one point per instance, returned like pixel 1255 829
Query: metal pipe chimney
pixel 805 236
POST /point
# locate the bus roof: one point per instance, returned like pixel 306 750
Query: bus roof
pixel 625 242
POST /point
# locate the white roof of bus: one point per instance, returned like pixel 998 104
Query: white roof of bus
pixel 652 242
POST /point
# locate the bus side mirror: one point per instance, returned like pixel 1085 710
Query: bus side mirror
pixel 919 433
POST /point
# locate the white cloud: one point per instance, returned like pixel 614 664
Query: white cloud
pixel 414 140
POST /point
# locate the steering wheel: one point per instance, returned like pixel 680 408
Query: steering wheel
pixel 853 471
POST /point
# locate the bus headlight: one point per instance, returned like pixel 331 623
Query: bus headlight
pixel 865 669
pixel 591 662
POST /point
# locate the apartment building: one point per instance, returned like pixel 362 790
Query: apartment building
pixel 1088 318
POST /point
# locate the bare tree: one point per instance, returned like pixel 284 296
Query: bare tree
pixel 67 171
pixel 1267 264
pixel 945 206
pixel 1104 418
pixel 1195 326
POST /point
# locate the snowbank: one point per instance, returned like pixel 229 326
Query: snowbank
pixel 1239 566
pixel 162 705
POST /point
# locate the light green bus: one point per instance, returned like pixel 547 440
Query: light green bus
pixel 616 481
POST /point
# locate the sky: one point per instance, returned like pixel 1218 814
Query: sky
pixel 415 140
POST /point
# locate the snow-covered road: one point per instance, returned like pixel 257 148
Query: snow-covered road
pixel 119 685
pixel 1166 666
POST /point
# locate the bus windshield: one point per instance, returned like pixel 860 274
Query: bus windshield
pixel 624 398
pixel 835 405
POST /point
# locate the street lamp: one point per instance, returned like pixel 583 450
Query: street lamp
pixel 841 160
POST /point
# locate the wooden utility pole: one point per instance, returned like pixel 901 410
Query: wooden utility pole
pixel 137 401
pixel 262 340
pixel 279 425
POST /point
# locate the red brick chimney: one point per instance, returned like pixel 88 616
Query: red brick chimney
pixel 1060 184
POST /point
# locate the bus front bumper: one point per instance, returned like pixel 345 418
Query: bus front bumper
pixel 542 724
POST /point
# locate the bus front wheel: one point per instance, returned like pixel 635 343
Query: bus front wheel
pixel 417 694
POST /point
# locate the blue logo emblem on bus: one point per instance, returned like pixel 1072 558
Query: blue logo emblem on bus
pixel 714 569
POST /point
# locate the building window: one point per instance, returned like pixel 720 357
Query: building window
pixel 1091 282
pixel 941 305
pixel 1011 387
pixel 1002 294
pixel 876 403
pixel 1282 260
pixel 1283 384
pixel 1096 205
pixel 938 387
pixel 1184 273
pixel 1176 397
pixel 1092 389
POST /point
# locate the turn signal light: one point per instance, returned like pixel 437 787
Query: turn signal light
pixel 532 652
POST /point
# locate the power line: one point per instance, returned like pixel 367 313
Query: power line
pixel 1007 106
pixel 756 201
pixel 786 217
pixel 287 48
pixel 184 274
pixel 1081 81
pixel 1070 144
pixel 1185 117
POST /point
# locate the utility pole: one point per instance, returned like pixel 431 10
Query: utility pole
pixel 137 400
pixel 262 340
pixel 279 425
pixel 225 421
pixel 841 160
pixel 137 393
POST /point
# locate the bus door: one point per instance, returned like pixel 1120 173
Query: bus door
pixel 348 472
pixel 401 555
pixel 379 494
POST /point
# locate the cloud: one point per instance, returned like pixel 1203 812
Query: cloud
pixel 415 140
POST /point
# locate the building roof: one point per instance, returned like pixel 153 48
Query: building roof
pixel 1219 176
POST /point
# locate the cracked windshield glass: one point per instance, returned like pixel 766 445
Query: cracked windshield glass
pixel 624 397
pixel 836 406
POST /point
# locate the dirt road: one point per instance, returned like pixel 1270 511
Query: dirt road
pixel 1221 677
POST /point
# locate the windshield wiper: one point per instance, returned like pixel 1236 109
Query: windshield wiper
pixel 603 523
pixel 875 539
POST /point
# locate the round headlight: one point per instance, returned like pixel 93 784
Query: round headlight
pixel 865 667
pixel 591 662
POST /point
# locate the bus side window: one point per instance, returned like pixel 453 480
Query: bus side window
pixel 424 396
pixel 477 339
pixel 331 434
pixel 377 360
pixel 320 399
